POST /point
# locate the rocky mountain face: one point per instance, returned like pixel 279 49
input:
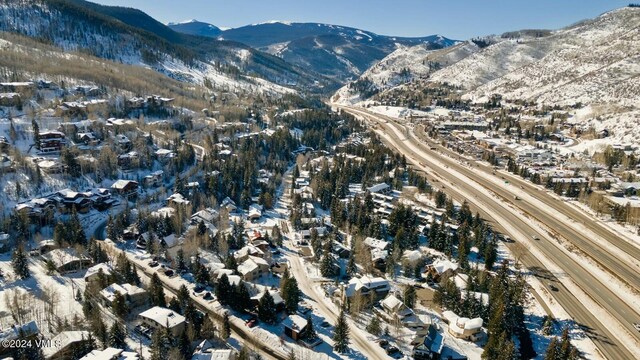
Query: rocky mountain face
pixel 339 52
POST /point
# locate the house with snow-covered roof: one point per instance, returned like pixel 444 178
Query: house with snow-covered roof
pixel 158 317
pixel 462 327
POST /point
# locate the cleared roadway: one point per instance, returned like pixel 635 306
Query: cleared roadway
pixel 492 209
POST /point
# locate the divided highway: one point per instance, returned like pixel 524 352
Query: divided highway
pixel 470 187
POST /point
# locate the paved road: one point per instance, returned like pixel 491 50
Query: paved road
pixel 369 349
pixel 239 330
pixel 504 219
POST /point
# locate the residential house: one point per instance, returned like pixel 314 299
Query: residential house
pixel 177 199
pixel 366 285
pixel 92 276
pixel 66 344
pixel 208 215
pixel 253 268
pixel 67 260
pixel 51 141
pixel 111 354
pixel 158 317
pixel 128 189
pixel 135 296
pixel 80 201
pixel 28 331
pixel 153 179
pixel 130 160
pixel 294 326
pixel 206 351
pixel 277 299
pixel 463 328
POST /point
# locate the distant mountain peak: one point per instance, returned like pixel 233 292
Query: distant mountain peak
pixel 283 22
pixel 183 22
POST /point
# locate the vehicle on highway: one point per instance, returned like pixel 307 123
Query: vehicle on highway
pixel 535 237
pixel 637 326
pixel 516 197
pixel 553 287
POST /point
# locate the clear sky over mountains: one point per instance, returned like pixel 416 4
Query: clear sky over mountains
pixel 459 19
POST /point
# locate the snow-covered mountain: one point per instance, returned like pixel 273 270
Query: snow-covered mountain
pixel 195 27
pixel 131 36
pixel 404 65
pixel 595 63
pixel 337 51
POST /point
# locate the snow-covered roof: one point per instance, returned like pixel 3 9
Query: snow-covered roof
pixel 109 292
pixel 163 316
pixel 110 354
pixel 214 354
pixel 121 184
pixel 61 257
pixel 391 302
pixel 178 199
pixel 62 340
pixel 107 269
pixel 295 322
pixel 14 332
pixel 378 188
pixel 376 243
pixel 248 266
pixel 442 266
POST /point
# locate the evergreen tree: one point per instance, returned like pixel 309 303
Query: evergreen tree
pixel 374 326
pixel 225 331
pixel 223 290
pixel 267 311
pixel 20 263
pixel 309 332
pixel 156 291
pixel 326 264
pixel 291 295
pixel 180 263
pixel 117 335
pixel 160 344
pixel 119 305
pixel 341 334
pixel 409 296
pixel 276 235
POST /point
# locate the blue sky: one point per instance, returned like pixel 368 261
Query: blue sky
pixel 459 19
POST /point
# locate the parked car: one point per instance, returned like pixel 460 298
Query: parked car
pixel 169 272
pixel 251 323
pixel 391 350
pixel 383 344
pixel 207 296
pixel 325 324
pixel 153 263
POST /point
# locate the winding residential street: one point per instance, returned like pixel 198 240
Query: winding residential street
pixel 588 299
pixel 314 292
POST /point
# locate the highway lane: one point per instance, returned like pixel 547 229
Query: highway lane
pixel 628 270
pixel 600 333
pixel 617 264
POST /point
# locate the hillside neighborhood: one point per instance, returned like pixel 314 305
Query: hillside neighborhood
pixel 185 191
